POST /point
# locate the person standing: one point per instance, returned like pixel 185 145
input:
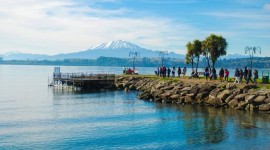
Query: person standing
pixel 241 73
pixel 169 72
pixel 173 72
pixel 245 73
pixel 249 76
pixel 227 75
pixel 256 76
pixel 221 74
pixel 236 74
pixel 179 72
pixel 184 71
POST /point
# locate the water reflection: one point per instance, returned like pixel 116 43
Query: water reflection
pixel 209 125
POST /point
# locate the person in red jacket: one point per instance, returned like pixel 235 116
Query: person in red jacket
pixel 226 75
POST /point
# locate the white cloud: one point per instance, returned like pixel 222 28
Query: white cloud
pixel 63 26
pixel 267 7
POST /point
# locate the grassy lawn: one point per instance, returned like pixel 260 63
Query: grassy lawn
pixel 201 79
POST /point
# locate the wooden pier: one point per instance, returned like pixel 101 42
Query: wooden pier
pixel 83 81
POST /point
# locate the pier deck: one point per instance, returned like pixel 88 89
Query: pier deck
pixel 84 81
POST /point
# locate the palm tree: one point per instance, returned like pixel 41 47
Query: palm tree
pixel 190 55
pixel 206 53
pixel 216 46
pixel 197 48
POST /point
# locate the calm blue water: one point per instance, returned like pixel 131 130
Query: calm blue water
pixel 33 116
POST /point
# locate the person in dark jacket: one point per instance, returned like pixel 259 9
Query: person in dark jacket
pixel 256 76
pixel 249 76
pixel 169 72
pixel 236 74
pixel 221 74
pixel 179 72
pixel 245 73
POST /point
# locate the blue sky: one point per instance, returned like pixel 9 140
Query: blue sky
pixel 63 26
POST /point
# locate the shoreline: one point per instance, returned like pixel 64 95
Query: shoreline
pixel 197 91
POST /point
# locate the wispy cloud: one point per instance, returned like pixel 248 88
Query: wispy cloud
pixel 267 7
pixel 65 26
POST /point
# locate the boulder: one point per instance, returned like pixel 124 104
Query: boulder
pixel 145 95
pixel 185 89
pixel 165 95
pixel 214 101
pixel 240 97
pixel 242 104
pixel 188 100
pixel 229 98
pixel 167 88
pixel 250 98
pixel 224 94
pixel 157 93
pixel 266 101
pixel 233 103
pixel 201 96
pixel 184 93
pixel 264 107
pixel 214 93
pixel 259 99
pixel 230 86
pixel 174 97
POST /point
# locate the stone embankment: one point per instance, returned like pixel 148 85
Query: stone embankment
pixel 247 97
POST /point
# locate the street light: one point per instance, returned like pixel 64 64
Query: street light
pixel 251 51
pixel 162 55
pixel 134 56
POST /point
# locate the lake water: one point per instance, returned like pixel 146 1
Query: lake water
pixel 34 116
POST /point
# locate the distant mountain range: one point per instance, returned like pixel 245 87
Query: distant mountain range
pixel 117 48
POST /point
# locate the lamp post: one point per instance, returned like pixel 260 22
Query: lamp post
pixel 162 55
pixel 134 56
pixel 251 51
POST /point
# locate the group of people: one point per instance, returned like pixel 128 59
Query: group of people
pixel 129 70
pixel 168 72
pixel 239 75
pixel 247 75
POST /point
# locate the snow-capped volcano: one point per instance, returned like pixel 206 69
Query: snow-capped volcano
pixel 116 44
pixel 116 48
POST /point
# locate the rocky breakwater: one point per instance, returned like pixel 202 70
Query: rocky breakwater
pixel 246 97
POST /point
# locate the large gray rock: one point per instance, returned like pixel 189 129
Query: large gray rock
pixel 214 93
pixel 214 101
pixel 266 101
pixel 264 107
pixel 233 103
pixel 259 99
pixel 157 93
pixel 188 100
pixel 224 94
pixel 242 104
pixel 167 88
pixel 240 97
pixel 230 86
pixel 185 89
pixel 229 98
pixel 174 97
pixel 201 96
pixel 250 98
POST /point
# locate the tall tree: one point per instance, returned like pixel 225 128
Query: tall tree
pixel 206 53
pixel 197 48
pixel 217 46
pixel 190 55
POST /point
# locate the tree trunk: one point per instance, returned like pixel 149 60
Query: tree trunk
pixel 198 59
pixel 208 63
pixel 213 64
pixel 192 63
